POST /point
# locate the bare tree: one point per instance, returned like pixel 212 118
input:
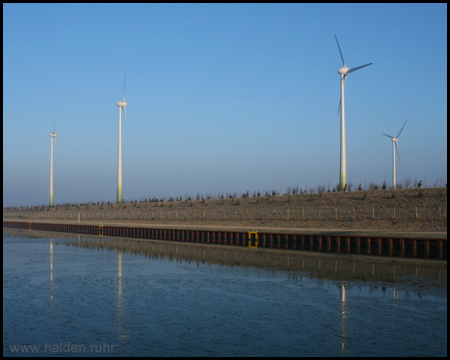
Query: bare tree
pixel 320 189
pixel 373 186
pixel 407 182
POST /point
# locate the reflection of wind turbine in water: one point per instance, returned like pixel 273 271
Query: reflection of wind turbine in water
pixel 343 315
pixel 51 269
pixel 343 292
pixel 394 293
pixel 120 317
pixel 119 274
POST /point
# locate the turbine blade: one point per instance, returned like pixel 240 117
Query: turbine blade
pixel 398 152
pixel 124 86
pixel 126 124
pixel 402 128
pixel 389 136
pixel 357 68
pixel 340 52
pixel 340 100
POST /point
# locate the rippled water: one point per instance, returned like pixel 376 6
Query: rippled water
pixel 67 296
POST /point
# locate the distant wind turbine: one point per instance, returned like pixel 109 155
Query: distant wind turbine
pixel 344 71
pixel 52 136
pixel 395 146
pixel 122 105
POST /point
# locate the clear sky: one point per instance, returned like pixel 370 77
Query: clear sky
pixel 221 97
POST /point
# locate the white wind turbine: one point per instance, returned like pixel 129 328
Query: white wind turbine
pixel 52 136
pixel 394 146
pixel 344 71
pixel 121 104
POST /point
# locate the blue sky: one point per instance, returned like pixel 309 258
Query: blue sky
pixel 221 98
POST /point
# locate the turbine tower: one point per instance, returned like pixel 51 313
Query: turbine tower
pixel 52 136
pixel 394 146
pixel 121 104
pixel 344 71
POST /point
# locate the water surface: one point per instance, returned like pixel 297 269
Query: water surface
pixel 69 295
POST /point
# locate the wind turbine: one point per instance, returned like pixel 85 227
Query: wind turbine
pixel 121 104
pixel 52 136
pixel 394 146
pixel 344 71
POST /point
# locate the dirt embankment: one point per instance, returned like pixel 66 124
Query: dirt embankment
pixel 379 210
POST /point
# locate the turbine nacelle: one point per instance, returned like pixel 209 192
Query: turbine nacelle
pixel 392 137
pixel 122 103
pixel 343 70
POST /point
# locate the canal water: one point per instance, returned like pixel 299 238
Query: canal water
pixel 69 295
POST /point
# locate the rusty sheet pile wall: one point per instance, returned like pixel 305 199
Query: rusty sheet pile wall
pixel 364 245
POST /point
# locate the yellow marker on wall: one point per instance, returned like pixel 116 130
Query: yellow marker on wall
pixel 250 239
pixel 100 230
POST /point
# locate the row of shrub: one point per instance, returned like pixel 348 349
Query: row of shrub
pixel 291 190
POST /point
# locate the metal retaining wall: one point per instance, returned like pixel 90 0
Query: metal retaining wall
pixel 366 245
